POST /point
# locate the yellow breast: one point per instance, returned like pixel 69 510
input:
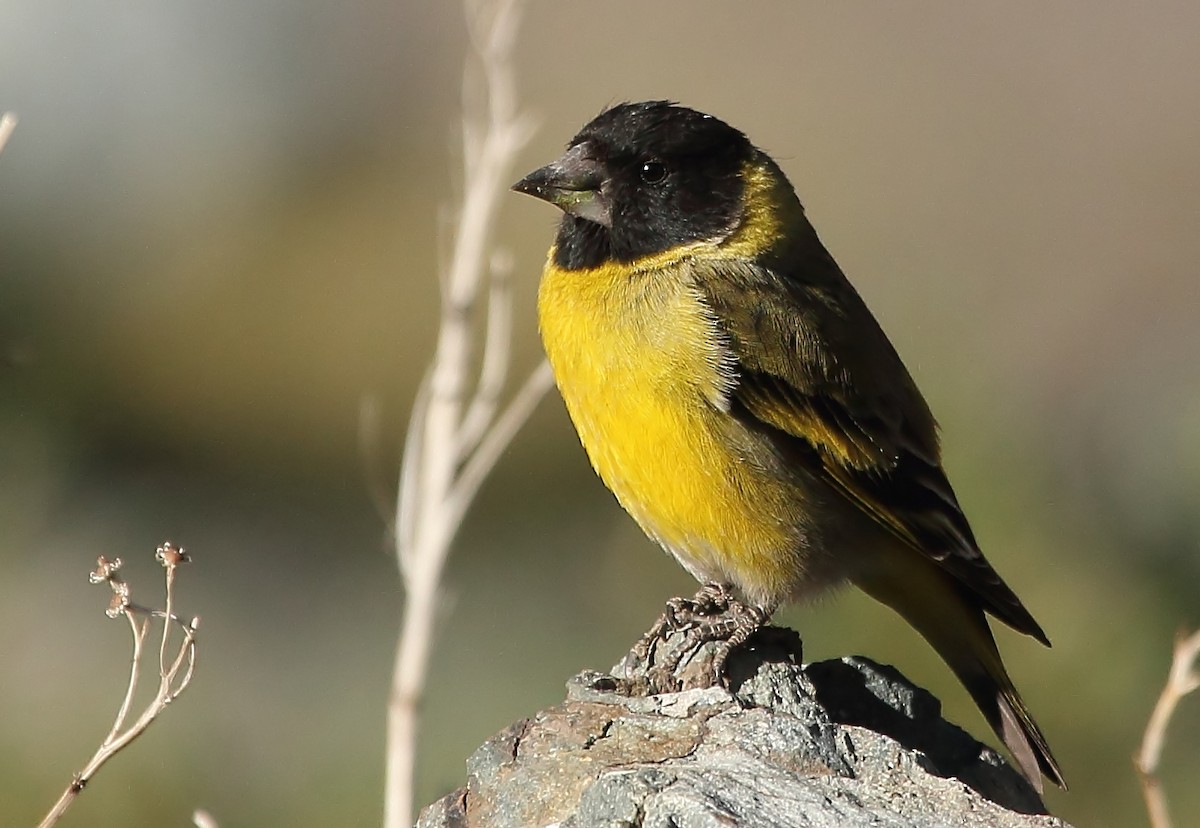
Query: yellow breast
pixel 646 374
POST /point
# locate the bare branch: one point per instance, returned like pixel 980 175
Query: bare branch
pixel 170 681
pixel 496 356
pixel 8 122
pixel 1182 679
pixel 203 819
pixel 452 442
pixel 408 496
pixel 139 631
pixel 506 426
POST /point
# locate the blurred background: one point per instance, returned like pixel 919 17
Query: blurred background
pixel 219 232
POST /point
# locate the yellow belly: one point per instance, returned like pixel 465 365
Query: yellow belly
pixel 645 374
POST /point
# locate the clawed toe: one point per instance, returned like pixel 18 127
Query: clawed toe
pixel 713 614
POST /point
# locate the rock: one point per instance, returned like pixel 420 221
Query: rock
pixel 838 743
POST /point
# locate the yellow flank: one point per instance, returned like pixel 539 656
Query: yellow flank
pixel 645 374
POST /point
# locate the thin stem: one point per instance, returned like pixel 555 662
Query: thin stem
pixel 203 819
pixel 506 426
pixel 408 497
pixel 139 636
pixel 8 122
pixel 167 611
pixel 496 357
pixel 170 685
pixel 1181 680
pixel 408 683
pixel 450 439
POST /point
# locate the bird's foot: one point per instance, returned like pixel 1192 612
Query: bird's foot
pixel 712 614
pixel 685 613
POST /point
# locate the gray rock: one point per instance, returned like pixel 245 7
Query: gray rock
pixel 838 743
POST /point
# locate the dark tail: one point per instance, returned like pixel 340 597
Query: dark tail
pixel 950 619
pixel 1006 712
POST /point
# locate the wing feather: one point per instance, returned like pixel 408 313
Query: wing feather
pixel 818 376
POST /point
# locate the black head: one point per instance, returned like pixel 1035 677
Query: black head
pixel 642 178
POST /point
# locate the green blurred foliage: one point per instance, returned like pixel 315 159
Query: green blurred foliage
pixel 219 229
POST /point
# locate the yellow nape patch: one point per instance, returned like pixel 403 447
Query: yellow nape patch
pixel 768 205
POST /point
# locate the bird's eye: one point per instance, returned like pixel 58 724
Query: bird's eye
pixel 653 172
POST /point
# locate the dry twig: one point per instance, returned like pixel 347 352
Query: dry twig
pixel 458 428
pixel 176 664
pixel 203 819
pixel 1182 679
pixel 8 122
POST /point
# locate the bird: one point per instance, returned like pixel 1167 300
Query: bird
pixel 736 395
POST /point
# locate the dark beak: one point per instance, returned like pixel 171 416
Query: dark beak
pixel 573 183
